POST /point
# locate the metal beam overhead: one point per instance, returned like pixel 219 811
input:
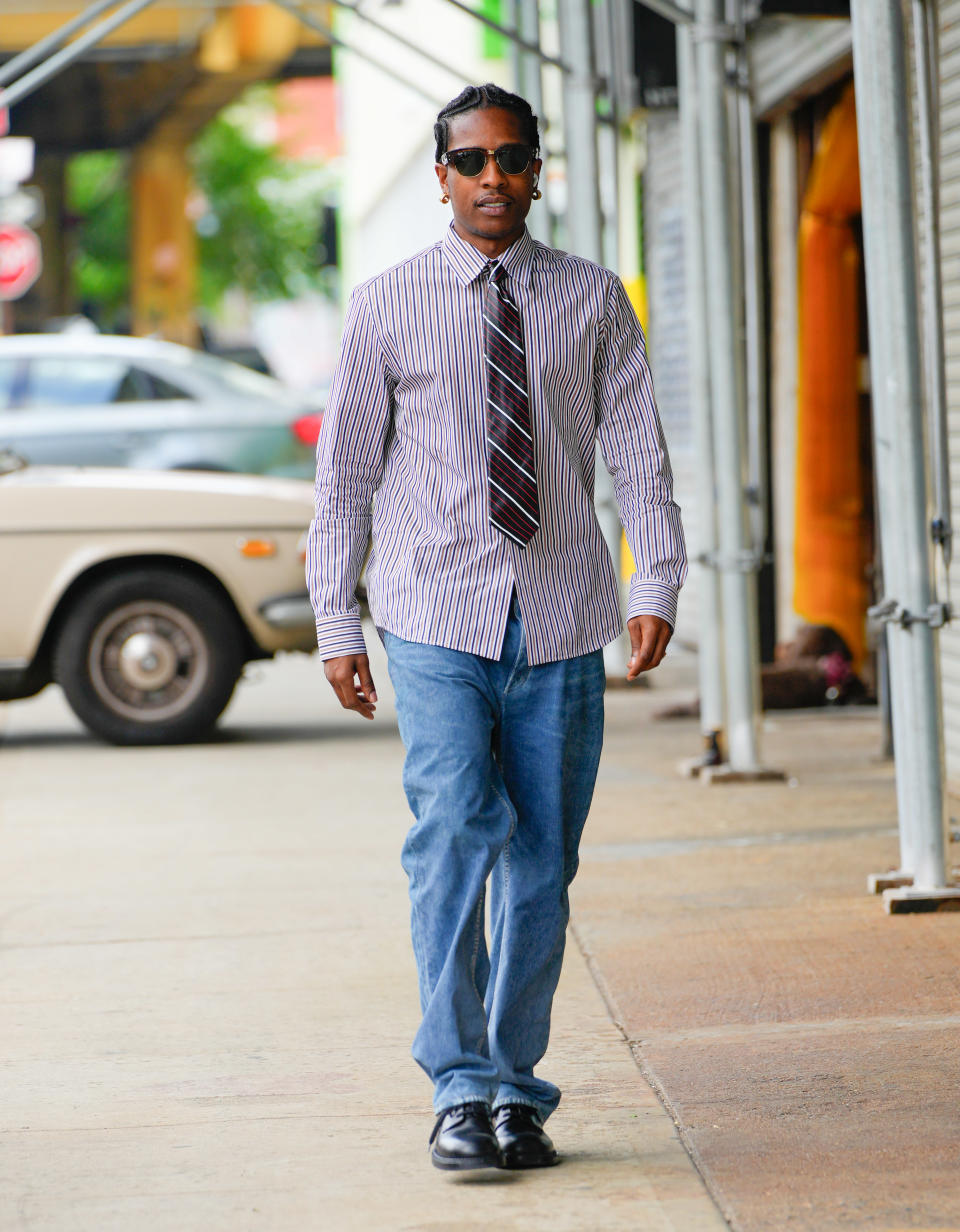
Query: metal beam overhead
pixel 666 8
pixel 320 27
pixel 514 35
pixel 401 41
pixel 59 60
pixel 34 54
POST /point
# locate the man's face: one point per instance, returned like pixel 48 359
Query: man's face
pixel 489 208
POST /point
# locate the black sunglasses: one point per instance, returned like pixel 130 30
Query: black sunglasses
pixel 511 159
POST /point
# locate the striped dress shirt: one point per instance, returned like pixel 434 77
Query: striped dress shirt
pixel 402 462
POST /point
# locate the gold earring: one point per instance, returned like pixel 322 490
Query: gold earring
pixel 537 194
pixel 444 199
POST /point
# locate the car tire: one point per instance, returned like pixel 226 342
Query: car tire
pixel 149 656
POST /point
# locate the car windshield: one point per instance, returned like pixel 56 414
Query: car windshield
pixel 241 380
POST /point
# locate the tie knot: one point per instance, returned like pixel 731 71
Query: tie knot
pixel 496 273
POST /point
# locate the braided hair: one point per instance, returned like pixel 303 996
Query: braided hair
pixel 473 98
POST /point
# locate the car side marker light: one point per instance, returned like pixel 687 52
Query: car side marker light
pixel 256 549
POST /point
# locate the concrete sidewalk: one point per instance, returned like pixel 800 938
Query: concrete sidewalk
pixel 208 998
pixel 807 1043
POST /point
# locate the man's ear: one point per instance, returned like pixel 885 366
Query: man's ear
pixel 441 170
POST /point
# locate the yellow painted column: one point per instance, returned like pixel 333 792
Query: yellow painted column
pixel 631 159
pixel 163 244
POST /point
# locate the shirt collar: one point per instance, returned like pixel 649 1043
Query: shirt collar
pixel 468 263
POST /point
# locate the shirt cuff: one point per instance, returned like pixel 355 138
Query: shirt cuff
pixel 340 635
pixel 651 598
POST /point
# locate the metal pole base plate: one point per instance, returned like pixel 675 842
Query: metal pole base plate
pixel 892 880
pixel 691 767
pixel 713 775
pixel 912 899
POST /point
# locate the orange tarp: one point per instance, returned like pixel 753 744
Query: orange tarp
pixel 830 584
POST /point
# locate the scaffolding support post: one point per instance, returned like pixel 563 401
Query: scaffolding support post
pixel 736 559
pixel 528 75
pixel 579 123
pixel 890 247
pixel 754 324
pixel 710 621
pixel 586 240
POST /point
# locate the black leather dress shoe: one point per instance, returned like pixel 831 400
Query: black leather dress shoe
pixel 522 1138
pixel 463 1138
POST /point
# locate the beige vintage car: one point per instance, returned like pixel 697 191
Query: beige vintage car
pixel 142 594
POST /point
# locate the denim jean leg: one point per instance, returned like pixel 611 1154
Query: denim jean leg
pixel 447 715
pixel 549 750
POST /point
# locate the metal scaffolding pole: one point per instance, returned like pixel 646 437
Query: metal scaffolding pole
pixel 710 640
pixel 34 54
pixel 754 325
pixel 528 73
pixel 36 77
pixel 335 40
pixel 586 235
pixel 398 38
pixel 889 228
pixel 515 37
pixel 579 123
pixel 721 243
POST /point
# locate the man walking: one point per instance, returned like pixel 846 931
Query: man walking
pixel 473 384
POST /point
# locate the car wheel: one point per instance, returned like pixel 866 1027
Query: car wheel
pixel 149 657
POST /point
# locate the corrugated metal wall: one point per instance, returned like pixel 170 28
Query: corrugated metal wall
pixel 819 51
pixel 950 223
pixel 791 58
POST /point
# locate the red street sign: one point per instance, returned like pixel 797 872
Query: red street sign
pixel 20 262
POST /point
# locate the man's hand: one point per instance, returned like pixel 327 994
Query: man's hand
pixel 648 640
pixel 341 672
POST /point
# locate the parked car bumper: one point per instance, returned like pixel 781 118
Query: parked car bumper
pixel 289 612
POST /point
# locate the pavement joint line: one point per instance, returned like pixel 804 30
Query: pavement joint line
pixel 734 1032
pixel 681 846
pixel 236 1120
pixel 176 937
pixel 699 1163
pixel 616 1017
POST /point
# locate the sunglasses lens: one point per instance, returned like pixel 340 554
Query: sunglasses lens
pixel 469 162
pixel 513 159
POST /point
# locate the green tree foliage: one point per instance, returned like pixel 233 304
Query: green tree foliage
pixel 260 228
pixel 257 218
pixel 98 200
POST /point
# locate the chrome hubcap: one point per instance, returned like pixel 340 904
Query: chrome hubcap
pixel 148 661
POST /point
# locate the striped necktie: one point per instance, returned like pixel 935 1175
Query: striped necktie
pixel 511 478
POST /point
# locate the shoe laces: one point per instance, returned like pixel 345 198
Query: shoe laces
pixel 522 1110
pixel 459 1112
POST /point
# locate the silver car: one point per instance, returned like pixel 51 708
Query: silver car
pixel 100 400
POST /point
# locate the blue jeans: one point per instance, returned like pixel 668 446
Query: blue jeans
pixel 500 769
